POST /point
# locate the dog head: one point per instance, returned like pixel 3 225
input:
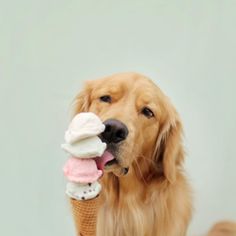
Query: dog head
pixel 143 130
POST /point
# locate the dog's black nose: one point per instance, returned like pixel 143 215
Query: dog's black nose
pixel 115 131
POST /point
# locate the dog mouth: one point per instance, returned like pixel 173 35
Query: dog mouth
pixel 111 162
pixel 108 162
pixel 107 159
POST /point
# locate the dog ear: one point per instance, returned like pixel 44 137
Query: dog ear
pixel 81 102
pixel 169 148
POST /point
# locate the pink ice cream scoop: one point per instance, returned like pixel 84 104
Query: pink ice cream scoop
pixel 81 170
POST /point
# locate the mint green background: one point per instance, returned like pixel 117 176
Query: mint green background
pixel 48 48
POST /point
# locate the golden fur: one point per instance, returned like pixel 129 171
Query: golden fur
pixel 154 198
pixel 224 228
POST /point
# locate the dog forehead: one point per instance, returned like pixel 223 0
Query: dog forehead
pixel 137 85
pixel 123 81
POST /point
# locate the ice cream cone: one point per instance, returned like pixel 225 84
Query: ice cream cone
pixel 85 215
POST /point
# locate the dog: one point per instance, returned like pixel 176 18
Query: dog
pixel 145 188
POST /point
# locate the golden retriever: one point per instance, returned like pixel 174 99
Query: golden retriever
pixel 145 191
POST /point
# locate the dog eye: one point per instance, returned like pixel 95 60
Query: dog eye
pixel 105 98
pixel 147 112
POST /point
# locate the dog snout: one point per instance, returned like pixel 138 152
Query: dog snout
pixel 115 131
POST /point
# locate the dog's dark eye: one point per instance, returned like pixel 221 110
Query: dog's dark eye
pixel 105 98
pixel 147 112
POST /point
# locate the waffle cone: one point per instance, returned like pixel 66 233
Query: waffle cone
pixel 85 216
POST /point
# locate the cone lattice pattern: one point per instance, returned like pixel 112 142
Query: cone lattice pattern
pixel 85 216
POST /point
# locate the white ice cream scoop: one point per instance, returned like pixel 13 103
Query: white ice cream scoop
pixel 83 191
pixel 84 125
pixel 85 148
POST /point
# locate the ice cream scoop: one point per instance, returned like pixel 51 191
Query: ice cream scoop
pixel 83 191
pixel 84 125
pixel 81 170
pixel 86 148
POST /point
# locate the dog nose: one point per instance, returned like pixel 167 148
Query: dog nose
pixel 115 131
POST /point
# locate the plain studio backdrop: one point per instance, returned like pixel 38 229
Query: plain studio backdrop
pixel 49 47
